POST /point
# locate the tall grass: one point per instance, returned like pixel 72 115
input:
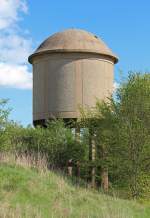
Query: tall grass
pixel 33 160
pixel 19 212
pixel 47 195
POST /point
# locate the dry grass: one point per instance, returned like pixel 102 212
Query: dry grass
pixel 25 160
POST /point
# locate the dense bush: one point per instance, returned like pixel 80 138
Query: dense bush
pixel 122 134
pixel 120 129
pixel 56 142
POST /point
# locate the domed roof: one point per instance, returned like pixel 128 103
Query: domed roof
pixel 74 40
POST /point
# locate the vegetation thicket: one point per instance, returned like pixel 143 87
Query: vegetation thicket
pixel 119 128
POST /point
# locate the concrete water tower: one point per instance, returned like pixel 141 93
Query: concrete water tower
pixel 70 69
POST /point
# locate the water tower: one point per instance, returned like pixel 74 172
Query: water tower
pixel 71 69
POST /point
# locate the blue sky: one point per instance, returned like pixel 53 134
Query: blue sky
pixel 123 25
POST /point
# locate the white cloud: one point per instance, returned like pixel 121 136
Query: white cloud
pixel 15 76
pixel 9 11
pixel 14 47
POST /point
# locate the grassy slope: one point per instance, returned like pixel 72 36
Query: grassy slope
pixel 27 193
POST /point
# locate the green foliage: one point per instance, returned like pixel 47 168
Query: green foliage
pixel 120 128
pixel 144 186
pixel 132 111
pixel 122 133
pixel 55 141
pixel 4 112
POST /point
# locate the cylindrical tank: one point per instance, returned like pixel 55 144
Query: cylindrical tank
pixel 71 69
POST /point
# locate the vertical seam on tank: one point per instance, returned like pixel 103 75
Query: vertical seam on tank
pixel 44 88
pixel 44 75
pixel 82 62
pixel 75 91
pixel 33 93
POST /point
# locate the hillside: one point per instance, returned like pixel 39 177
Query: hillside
pixel 28 193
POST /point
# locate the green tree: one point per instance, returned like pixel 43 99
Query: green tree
pixel 132 110
pixel 4 113
pixel 100 122
pixel 122 134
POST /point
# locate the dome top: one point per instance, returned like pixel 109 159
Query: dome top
pixel 74 40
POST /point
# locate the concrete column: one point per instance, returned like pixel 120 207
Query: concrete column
pixel 77 137
pixel 104 172
pixel 93 147
pixel 77 134
pixel 104 178
pixel 92 157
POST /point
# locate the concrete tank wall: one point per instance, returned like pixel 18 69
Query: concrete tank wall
pixel 64 81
